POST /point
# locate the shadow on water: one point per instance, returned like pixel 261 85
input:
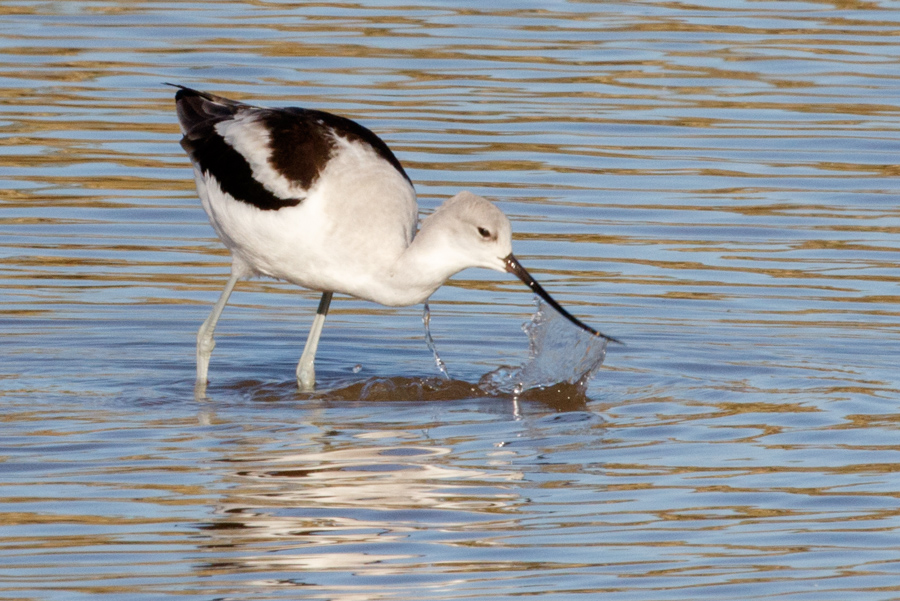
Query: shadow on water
pixel 561 397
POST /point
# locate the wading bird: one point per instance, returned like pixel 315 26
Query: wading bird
pixel 320 201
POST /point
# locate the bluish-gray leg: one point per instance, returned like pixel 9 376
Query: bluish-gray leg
pixel 205 342
pixel 306 369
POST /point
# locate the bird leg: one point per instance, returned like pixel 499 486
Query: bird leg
pixel 306 369
pixel 205 342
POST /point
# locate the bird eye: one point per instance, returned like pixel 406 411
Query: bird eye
pixel 484 233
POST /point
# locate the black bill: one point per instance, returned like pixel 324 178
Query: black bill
pixel 514 267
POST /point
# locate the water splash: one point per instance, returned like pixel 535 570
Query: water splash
pixel 560 355
pixel 559 352
pixel 426 321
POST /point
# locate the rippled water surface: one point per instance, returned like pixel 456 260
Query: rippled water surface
pixel 714 183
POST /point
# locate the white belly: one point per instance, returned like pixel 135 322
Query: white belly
pixel 354 224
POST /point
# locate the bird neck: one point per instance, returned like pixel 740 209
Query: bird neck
pixel 423 267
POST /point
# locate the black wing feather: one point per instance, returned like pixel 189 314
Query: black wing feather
pixel 301 143
pixel 199 113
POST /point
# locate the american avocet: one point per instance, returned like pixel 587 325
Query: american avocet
pixel 320 201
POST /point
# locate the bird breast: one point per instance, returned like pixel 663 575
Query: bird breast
pixel 354 224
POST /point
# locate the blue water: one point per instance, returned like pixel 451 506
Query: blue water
pixel 713 183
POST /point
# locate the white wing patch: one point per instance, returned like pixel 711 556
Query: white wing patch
pixel 252 140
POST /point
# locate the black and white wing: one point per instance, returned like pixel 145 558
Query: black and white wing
pixel 268 158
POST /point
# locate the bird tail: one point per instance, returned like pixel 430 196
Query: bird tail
pixel 197 108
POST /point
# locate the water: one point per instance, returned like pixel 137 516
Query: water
pixel 559 353
pixel 429 340
pixel 713 183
